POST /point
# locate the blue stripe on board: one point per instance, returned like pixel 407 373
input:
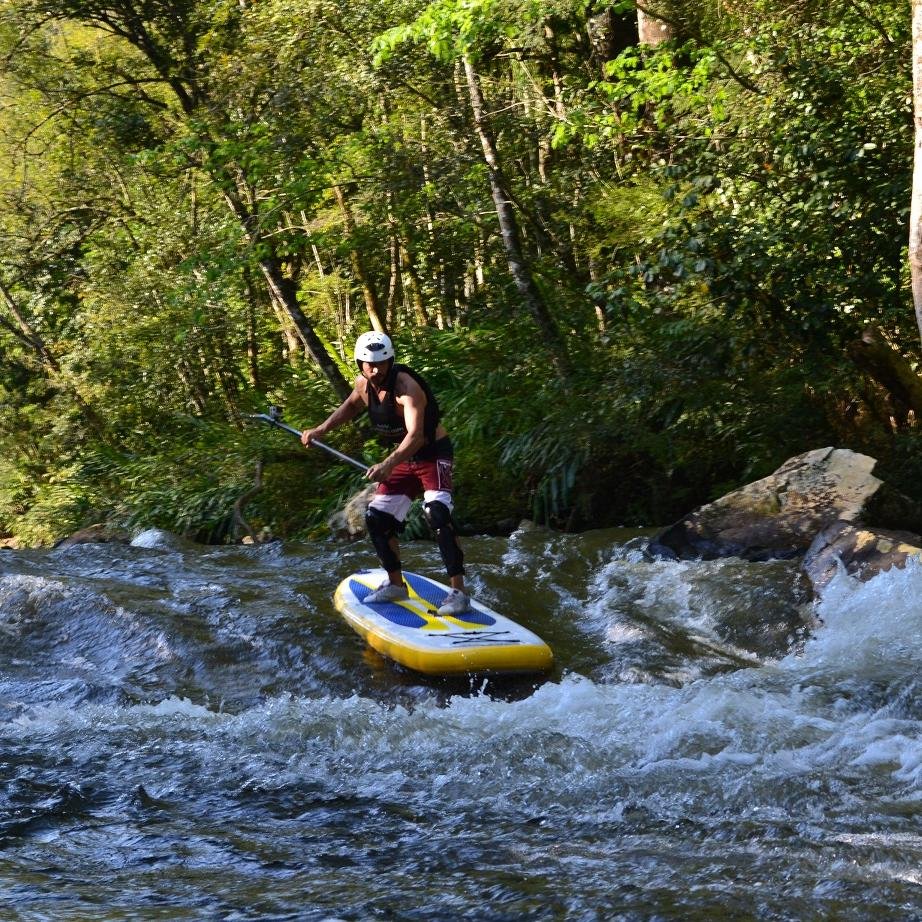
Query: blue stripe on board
pixel 434 595
pixel 394 613
pixel 428 592
pixel 359 590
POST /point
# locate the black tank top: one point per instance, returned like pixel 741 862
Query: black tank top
pixel 387 421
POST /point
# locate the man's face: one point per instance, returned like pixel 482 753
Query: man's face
pixel 376 372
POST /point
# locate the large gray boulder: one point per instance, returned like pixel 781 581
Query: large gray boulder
pixel 348 523
pixel 779 515
pixel 825 505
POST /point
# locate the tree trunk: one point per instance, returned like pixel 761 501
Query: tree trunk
pixel 194 390
pixel 509 230
pixel 876 358
pixel 413 286
pixel 440 276
pixel 394 286
pixel 283 290
pixel 609 35
pixel 372 305
pixel 27 333
pixel 252 337
pixel 915 213
pixel 553 101
pixel 333 300
pixel 652 30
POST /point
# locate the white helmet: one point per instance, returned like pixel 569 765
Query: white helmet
pixel 373 347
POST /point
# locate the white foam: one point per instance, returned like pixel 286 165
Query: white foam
pixel 870 630
pixel 765 724
pixel 157 538
pixel 621 633
pixel 728 733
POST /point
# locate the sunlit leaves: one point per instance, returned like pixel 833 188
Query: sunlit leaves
pixel 733 203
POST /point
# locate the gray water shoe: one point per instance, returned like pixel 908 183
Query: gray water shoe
pixel 455 603
pixel 387 592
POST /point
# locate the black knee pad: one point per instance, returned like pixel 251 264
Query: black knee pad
pixel 438 515
pixel 382 526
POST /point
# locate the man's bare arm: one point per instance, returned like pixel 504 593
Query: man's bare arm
pixel 344 413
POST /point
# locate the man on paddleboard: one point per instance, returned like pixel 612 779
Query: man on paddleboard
pixel 402 410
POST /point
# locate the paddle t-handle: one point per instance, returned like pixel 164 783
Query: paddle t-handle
pixel 274 418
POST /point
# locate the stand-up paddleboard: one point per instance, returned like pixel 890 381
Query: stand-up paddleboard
pixel 412 633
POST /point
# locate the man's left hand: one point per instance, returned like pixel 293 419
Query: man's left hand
pixel 379 472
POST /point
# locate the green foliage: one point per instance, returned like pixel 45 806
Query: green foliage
pixel 710 223
pixel 40 512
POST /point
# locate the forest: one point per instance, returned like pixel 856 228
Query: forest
pixel 642 256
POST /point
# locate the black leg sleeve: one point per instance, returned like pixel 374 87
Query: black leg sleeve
pixel 382 526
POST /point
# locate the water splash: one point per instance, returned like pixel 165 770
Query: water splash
pixel 732 773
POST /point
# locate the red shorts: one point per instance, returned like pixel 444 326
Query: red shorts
pixel 413 478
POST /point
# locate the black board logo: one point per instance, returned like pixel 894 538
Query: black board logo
pixel 469 638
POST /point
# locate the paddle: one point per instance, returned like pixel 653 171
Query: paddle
pixel 274 418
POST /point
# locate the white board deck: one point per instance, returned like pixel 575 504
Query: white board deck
pixel 412 633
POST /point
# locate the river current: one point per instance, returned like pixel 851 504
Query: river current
pixel 192 732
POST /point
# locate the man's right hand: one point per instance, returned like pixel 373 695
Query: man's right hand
pixel 308 435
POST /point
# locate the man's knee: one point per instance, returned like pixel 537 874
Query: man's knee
pixel 380 524
pixel 382 528
pixel 438 515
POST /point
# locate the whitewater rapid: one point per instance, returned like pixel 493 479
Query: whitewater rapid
pixel 192 733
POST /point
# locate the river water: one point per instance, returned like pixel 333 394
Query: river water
pixel 193 733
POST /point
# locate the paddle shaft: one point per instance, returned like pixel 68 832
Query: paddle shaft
pixel 297 432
